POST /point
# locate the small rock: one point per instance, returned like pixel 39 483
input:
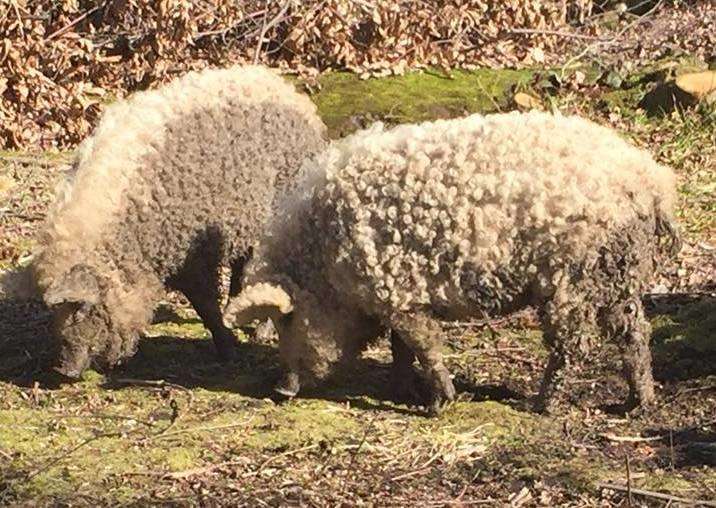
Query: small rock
pixel 613 79
pixel 537 55
pixel 700 85
pixel 6 184
pixel 526 101
pixel 579 77
pixel 659 289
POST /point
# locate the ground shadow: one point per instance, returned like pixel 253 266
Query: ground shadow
pixel 25 345
pixel 686 447
pixel 193 363
pixel 684 345
pixel 684 338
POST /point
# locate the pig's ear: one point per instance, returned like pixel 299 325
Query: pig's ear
pixel 79 285
pixel 260 301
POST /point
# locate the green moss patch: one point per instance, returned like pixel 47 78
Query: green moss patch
pixel 346 102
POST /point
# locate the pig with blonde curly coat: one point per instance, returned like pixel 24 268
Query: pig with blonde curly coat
pixel 451 220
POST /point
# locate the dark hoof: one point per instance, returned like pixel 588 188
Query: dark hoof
pixel 443 391
pixel 645 400
pixel 225 347
pixel 289 386
pixel 539 407
pixel 65 375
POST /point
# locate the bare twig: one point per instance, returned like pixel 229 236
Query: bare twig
pixel 163 435
pixel 355 452
pixel 497 108
pixel 671 448
pixel 482 323
pixel 158 383
pixel 183 475
pixel 608 42
pixel 104 417
pixel 530 31
pixel 631 439
pixel 19 18
pixel 630 499
pixel 228 29
pixel 52 462
pixel 267 26
pixel 408 474
pixel 656 495
pixel 282 455
pixel 72 23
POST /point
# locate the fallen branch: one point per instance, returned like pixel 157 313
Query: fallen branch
pixel 631 439
pixel 197 429
pixel 222 32
pixel 476 324
pixel 159 383
pixel 656 495
pixel 104 417
pixel 408 474
pixel 65 28
pixel 48 465
pixel 183 475
pixel 571 35
pixel 282 455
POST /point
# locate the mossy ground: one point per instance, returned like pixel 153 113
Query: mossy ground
pixel 173 426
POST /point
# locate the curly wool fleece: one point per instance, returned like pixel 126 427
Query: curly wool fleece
pixel 173 184
pixel 463 218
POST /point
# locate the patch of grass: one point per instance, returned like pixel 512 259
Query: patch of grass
pixel 300 423
pixel 345 101
pixel 693 326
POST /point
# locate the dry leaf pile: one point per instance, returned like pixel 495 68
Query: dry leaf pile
pixel 61 60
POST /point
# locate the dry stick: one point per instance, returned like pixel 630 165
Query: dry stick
pixel 608 42
pixel 631 439
pixel 360 445
pixel 530 31
pixel 19 18
pixel 163 435
pixel 408 474
pixel 105 417
pixel 492 100
pixel 480 323
pixel 656 495
pixel 640 439
pixel 284 454
pixel 226 30
pixel 26 160
pixel 268 26
pixel 160 383
pixel 181 475
pixel 630 499
pixel 72 23
pixel 671 448
pixel 63 456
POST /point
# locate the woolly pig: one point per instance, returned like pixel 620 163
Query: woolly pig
pixel 173 184
pixel 398 229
